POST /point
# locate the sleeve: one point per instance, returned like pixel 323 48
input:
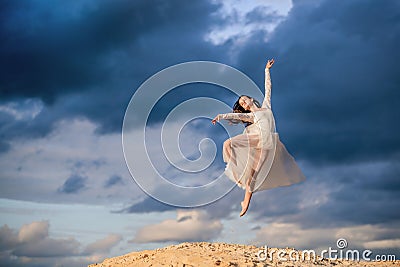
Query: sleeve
pixel 248 117
pixel 268 86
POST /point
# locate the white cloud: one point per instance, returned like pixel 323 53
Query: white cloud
pixel 33 241
pixel 190 225
pixel 48 247
pixel 33 232
pixel 7 238
pixel 237 26
pixel 23 110
pixel 72 149
pixel 31 245
pixel 103 245
pixel 292 235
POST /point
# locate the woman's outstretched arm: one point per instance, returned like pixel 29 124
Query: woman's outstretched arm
pixel 248 117
pixel 268 85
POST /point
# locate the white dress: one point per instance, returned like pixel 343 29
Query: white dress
pixel 258 157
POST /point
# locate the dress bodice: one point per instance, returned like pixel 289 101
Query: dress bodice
pixel 262 128
pixel 264 120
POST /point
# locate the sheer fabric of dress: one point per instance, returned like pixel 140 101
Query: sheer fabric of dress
pixel 258 157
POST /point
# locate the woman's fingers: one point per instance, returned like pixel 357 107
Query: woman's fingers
pixel 270 62
pixel 214 120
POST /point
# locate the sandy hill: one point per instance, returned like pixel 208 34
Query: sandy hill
pixel 222 254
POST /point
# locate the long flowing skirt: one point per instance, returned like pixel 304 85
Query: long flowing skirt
pixel 251 162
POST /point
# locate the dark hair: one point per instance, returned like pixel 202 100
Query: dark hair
pixel 237 108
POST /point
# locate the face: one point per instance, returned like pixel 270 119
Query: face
pixel 246 102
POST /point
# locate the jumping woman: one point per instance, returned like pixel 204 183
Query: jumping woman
pixel 257 160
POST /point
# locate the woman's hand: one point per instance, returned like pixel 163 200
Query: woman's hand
pixel 215 119
pixel 269 63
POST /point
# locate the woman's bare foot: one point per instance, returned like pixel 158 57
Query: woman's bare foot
pixel 245 203
pixel 244 209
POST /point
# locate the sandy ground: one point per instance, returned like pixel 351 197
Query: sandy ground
pixel 222 254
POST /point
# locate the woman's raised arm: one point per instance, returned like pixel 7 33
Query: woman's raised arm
pixel 268 85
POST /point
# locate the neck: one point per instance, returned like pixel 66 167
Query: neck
pixel 254 108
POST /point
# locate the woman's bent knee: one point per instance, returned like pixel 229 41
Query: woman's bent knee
pixel 227 144
pixel 227 150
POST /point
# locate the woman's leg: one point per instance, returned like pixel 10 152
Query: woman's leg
pixel 227 155
pixel 255 168
pixel 227 150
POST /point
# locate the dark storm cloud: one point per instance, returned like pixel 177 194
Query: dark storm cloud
pixel 74 184
pixel 364 195
pixel 47 49
pixel 147 205
pixel 15 128
pixel 4 146
pixel 113 180
pixel 86 59
pixel 222 208
pixel 335 73
pixel 335 79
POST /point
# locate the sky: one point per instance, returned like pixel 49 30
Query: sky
pixel 70 69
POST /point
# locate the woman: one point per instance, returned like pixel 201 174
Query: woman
pixel 257 160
